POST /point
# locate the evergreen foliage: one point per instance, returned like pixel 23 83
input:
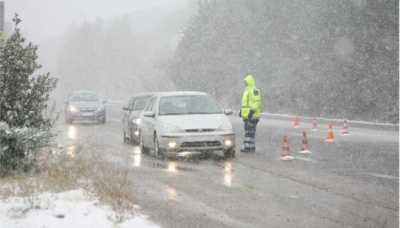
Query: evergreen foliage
pixel 310 57
pixel 25 127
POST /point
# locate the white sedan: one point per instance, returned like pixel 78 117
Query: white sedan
pixel 176 124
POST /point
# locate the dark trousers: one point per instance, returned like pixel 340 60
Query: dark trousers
pixel 249 142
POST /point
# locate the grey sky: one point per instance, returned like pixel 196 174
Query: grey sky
pixel 44 19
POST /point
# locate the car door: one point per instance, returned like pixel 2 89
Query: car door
pixel 148 126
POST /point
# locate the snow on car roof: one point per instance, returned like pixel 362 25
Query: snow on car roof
pixel 83 92
pixel 180 93
pixel 143 94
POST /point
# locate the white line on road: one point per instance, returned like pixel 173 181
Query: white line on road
pixel 330 119
pixel 383 176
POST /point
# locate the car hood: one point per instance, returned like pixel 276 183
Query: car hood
pixel 193 122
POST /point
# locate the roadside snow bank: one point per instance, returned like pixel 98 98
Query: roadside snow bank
pixel 62 210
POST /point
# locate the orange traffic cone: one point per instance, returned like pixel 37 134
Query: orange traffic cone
pixel 330 136
pixel 296 122
pixel 345 129
pixel 314 123
pixel 305 149
pixel 285 150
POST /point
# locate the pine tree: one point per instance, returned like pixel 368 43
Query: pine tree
pixel 23 97
pixel 24 127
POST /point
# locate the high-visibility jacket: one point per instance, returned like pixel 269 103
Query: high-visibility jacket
pixel 251 99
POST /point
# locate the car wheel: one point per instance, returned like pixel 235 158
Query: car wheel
pixel 104 119
pixel 141 145
pixel 229 154
pixel 157 151
pixel 125 139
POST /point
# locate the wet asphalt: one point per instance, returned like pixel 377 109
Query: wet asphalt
pixel 352 182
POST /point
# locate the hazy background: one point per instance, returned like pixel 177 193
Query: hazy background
pixel 310 57
pixel 114 47
pixel 46 19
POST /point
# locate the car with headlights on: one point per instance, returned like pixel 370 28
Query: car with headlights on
pixel 85 106
pixel 179 124
pixel 131 117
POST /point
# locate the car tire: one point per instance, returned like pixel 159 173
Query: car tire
pixel 103 119
pixel 230 153
pixel 157 151
pixel 141 145
pixel 124 138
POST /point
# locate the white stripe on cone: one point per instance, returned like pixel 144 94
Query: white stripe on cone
pixel 287 158
pixel 304 152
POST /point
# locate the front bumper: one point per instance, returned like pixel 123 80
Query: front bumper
pixel 97 115
pixel 176 145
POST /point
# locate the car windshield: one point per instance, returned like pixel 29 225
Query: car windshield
pixel 140 103
pixel 188 104
pixel 86 97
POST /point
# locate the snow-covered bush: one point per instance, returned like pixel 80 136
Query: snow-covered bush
pixel 25 127
pixel 19 147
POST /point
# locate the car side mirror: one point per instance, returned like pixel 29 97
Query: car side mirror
pixel 228 112
pixel 149 114
pixel 125 108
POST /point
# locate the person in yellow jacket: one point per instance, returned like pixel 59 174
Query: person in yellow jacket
pixel 250 112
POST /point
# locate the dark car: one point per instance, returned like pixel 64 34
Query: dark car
pixel 131 117
pixel 84 106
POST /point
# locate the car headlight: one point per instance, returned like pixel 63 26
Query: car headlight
pixel 228 142
pixel 172 144
pixel 137 121
pixel 73 108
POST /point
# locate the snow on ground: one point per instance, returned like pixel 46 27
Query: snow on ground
pixel 62 210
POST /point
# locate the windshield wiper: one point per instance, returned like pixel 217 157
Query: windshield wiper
pixel 189 113
pixel 172 114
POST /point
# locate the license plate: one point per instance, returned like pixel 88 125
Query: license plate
pixel 86 114
pixel 201 138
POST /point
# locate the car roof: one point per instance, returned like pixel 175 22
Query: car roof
pixel 83 92
pixel 142 94
pixel 180 93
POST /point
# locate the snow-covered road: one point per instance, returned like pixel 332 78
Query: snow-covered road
pixel 352 182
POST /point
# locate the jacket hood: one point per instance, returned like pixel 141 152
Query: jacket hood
pixel 249 80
